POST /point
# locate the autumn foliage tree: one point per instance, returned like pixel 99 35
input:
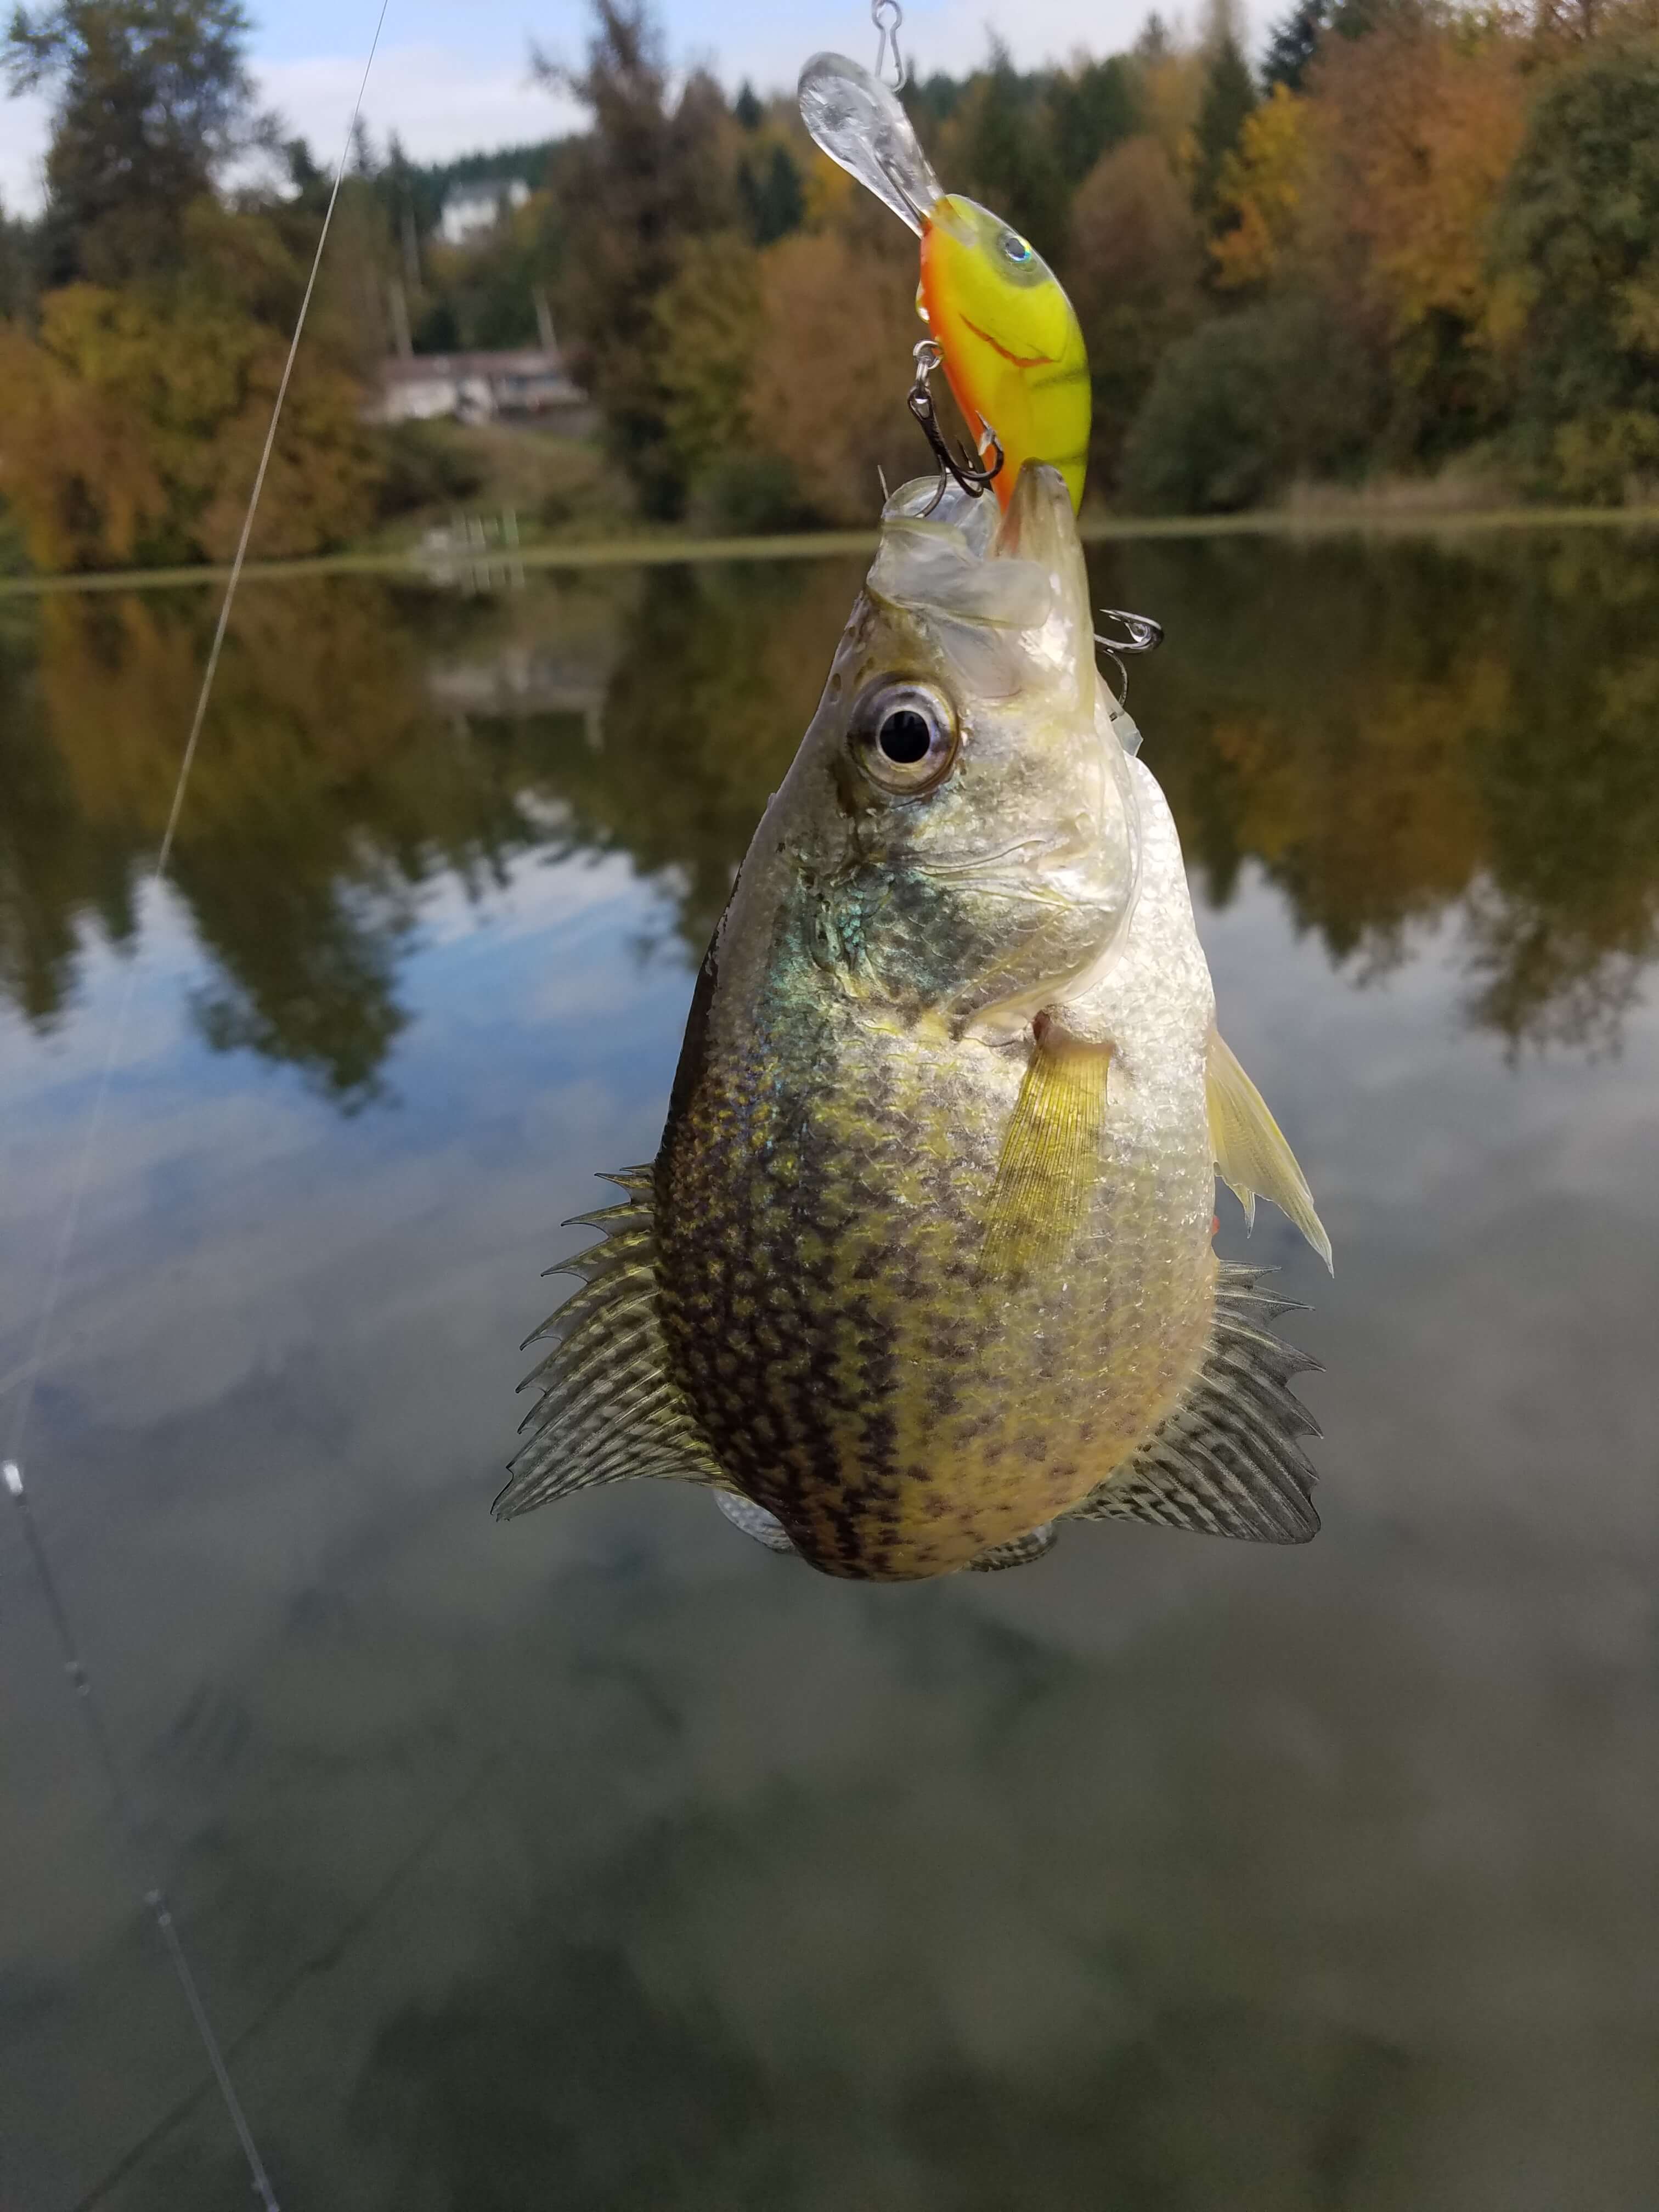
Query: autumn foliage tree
pixel 137 415
pixel 137 406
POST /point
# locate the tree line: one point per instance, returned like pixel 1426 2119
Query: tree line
pixel 1420 237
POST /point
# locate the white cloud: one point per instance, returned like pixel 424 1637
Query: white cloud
pixel 445 100
pixel 439 100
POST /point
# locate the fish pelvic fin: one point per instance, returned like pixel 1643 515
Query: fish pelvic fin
pixel 755 1521
pixel 1050 1155
pixel 609 1407
pixel 1251 1155
pixel 1018 1551
pixel 1228 1461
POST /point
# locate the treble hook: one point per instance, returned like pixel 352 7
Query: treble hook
pixel 887 15
pixel 974 480
pixel 1144 636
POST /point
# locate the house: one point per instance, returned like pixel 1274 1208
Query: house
pixel 478 387
pixel 470 210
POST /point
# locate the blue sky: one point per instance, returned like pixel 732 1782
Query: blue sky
pixel 450 74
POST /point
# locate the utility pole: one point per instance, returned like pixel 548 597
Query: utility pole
pixel 399 307
pixel 411 247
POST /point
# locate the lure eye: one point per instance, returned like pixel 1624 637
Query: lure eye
pixel 904 735
pixel 1014 247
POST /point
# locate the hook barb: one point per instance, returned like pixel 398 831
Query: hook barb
pixel 974 479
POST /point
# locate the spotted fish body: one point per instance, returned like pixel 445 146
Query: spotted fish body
pixel 924 1263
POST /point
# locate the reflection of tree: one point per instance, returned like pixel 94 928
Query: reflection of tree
pixel 55 864
pixel 329 787
pixel 719 676
pixel 1391 731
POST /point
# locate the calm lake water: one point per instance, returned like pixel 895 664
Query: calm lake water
pixel 603 1861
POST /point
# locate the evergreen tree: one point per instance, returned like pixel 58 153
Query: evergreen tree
pixel 651 174
pixel 1578 231
pixel 1293 42
pixel 1006 157
pixel 149 98
pixel 16 269
pixel 774 197
pixel 1094 109
pixel 1230 94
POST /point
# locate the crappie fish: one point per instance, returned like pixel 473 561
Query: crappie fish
pixel 1012 348
pixel 923 1264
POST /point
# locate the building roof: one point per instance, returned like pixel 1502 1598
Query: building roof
pixel 443 367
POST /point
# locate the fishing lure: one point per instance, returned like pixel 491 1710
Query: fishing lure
pixel 1008 336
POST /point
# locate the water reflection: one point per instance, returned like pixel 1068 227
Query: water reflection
pixel 1399 730
pixel 336 776
pixel 1392 733
pixel 600 1859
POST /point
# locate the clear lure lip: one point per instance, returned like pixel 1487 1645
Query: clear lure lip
pixel 857 122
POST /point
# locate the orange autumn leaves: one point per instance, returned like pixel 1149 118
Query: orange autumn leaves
pixel 1384 176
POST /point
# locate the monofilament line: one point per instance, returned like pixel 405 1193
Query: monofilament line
pixel 155 1898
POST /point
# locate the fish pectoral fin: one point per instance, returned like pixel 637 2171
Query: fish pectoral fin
pixel 1018 1551
pixel 1228 1461
pixel 1251 1155
pixel 609 1407
pixel 1050 1154
pixel 755 1521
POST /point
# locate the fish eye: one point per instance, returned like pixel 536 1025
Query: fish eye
pixel 1014 245
pixel 904 735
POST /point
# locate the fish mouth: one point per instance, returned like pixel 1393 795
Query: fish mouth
pixel 987 863
pixel 1034 868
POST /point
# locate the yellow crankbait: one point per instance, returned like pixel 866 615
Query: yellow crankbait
pixel 1013 351
pixel 1012 345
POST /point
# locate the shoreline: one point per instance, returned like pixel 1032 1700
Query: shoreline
pixel 668 551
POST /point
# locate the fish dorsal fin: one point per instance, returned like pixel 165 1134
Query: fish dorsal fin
pixel 1251 1155
pixel 1050 1155
pixel 609 1407
pixel 1228 1461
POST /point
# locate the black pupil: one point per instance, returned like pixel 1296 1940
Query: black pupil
pixel 905 736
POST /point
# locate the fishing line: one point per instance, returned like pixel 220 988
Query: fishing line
pixel 154 1897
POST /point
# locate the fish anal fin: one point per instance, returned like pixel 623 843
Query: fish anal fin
pixel 1050 1154
pixel 1228 1461
pixel 1018 1551
pixel 609 1407
pixel 1251 1155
